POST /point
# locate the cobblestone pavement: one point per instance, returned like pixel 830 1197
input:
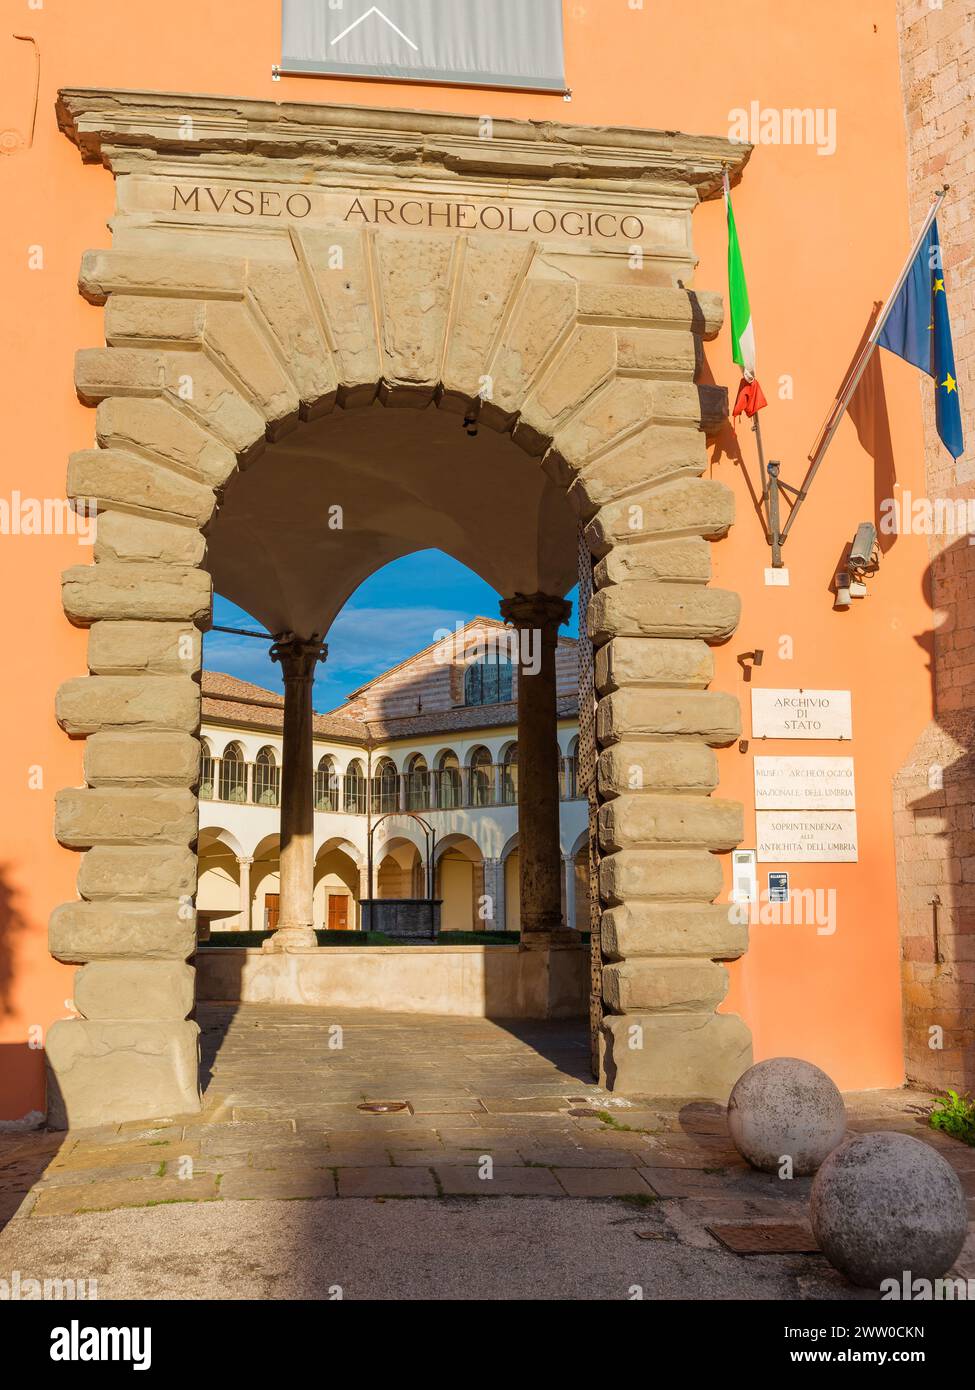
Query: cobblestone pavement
pixel 493 1110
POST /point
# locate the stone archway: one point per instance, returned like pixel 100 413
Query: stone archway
pixel 532 281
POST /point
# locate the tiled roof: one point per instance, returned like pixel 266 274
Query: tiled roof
pixel 228 700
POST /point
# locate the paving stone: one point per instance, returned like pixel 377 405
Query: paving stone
pixel 248 1184
pixel 603 1182
pixel 106 1196
pixel 386 1182
pixel 668 1182
pixel 580 1158
pixel 530 1105
pixel 154 1152
pixel 504 1182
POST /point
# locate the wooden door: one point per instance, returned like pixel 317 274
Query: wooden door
pixel 272 911
pixel 338 912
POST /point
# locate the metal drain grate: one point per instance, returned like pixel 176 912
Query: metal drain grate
pixel 384 1107
pixel 584 1112
pixel 766 1238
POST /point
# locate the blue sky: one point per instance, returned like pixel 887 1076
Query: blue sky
pixel 392 615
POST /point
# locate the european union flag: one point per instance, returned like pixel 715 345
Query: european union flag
pixel 918 329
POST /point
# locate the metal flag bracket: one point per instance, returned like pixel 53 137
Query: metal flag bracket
pixel 773 487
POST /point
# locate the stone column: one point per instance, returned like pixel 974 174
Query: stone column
pixel 298 657
pixel 570 892
pixel 244 866
pixel 494 885
pixel 537 618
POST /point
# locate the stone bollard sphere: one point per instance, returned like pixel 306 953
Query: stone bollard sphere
pixel 785 1107
pixel 886 1206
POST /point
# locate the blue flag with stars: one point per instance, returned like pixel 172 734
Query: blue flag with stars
pixel 918 329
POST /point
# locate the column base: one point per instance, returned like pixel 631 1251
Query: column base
pixel 105 1072
pixel 545 940
pixel 688 1056
pixel 297 938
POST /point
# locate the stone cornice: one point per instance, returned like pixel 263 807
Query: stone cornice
pixel 116 128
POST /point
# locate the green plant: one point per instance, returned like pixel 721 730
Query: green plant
pixel 956 1116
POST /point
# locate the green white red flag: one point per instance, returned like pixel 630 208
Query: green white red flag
pixel 750 397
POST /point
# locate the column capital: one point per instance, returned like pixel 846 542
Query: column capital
pixel 245 859
pixel 298 655
pixel 535 610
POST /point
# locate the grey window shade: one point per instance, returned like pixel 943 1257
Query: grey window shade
pixel 496 43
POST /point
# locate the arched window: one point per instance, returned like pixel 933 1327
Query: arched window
pixel 570 772
pixel 417 779
pixel 449 791
pixel 385 787
pixel 267 779
pixel 206 771
pixel 233 774
pixel 326 785
pixel 481 777
pixel 487 681
pixel 355 789
pixel 509 776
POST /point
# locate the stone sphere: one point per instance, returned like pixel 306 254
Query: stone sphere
pixel 785 1106
pixel 886 1205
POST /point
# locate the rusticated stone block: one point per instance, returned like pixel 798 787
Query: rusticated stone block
pixel 90 703
pixel 685 1055
pixel 648 661
pixel 101 372
pixel 81 931
pixel 156 427
pixel 620 410
pixel 87 816
pixel 104 1072
pixel 701 311
pixel 683 402
pixel 662 353
pixel 414 281
pixel 664 986
pixel 150 759
pixel 680 875
pixel 233 337
pixel 134 989
pixel 113 476
pixel 137 871
pixel 149 321
pixel 641 608
pixel 120 536
pixel 544 313
pixel 656 455
pixel 672 929
pixel 199 277
pixel 130 648
pixel 490 270
pixel 684 561
pixel 675 766
pixel 136 590
pixel 640 818
pixel 211 397
pixel 280 295
pixel 686 506
pixel 708 714
pixel 345 287
pixel 586 361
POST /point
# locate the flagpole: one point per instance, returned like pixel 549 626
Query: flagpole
pixel 838 409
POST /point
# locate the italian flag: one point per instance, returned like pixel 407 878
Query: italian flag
pixel 750 398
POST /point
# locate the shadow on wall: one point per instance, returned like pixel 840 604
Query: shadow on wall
pixel 934 796
pixel 12 923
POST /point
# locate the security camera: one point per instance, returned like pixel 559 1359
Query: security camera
pixel 863 551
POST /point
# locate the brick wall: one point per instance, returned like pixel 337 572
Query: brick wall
pixel 934 793
pixel 426 684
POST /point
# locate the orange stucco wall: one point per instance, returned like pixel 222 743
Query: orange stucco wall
pixel 823 238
